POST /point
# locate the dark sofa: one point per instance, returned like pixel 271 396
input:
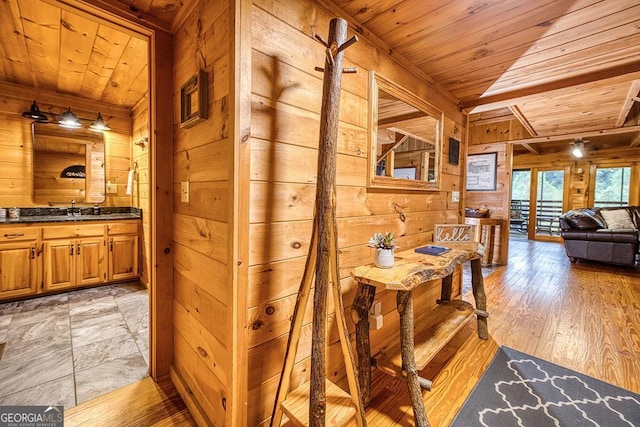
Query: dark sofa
pixel 588 236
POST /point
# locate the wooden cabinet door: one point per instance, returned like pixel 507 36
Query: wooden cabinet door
pixel 90 261
pixel 17 269
pixel 123 257
pixel 59 264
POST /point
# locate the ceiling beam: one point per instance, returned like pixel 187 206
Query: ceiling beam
pixel 572 136
pixel 401 118
pixel 531 149
pixel 505 99
pixel 631 98
pixel 636 141
pixel 523 120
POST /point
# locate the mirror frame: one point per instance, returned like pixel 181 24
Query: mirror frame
pixel 95 162
pixel 376 83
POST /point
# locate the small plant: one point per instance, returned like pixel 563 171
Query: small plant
pixel 382 241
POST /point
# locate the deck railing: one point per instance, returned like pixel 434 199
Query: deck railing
pixel 547 213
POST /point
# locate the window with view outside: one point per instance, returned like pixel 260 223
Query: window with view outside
pixel 612 187
pixel 520 185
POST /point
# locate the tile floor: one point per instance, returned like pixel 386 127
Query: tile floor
pixel 68 348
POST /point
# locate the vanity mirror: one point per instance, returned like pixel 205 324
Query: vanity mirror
pixel 405 138
pixel 68 164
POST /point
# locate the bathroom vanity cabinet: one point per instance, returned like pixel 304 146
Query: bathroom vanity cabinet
pixel 18 261
pixel 47 257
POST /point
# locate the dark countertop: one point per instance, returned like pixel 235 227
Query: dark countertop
pixel 68 218
pixel 45 215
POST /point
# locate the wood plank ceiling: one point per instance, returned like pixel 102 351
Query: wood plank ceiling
pixel 564 68
pixel 47 47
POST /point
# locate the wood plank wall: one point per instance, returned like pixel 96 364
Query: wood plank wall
pixel 202 307
pixel 286 99
pixel 485 138
pixel 141 190
pixel 16 171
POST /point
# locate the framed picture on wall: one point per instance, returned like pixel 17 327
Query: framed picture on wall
pixel 481 172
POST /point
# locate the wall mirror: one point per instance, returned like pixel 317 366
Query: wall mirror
pixel 68 164
pixel 405 138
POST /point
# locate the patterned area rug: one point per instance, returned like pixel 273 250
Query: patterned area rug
pixel 522 390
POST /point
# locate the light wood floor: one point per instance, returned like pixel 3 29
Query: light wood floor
pixel 145 403
pixel 585 317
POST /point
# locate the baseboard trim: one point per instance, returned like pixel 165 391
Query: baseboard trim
pixel 196 411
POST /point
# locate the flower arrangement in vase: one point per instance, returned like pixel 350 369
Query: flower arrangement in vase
pixel 385 245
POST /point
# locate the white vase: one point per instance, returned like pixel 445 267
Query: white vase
pixel 383 258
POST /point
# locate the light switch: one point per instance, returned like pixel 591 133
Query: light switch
pixel 184 191
pixel 455 196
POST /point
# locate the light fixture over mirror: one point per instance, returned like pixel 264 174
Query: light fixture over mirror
pixel 405 138
pixel 35 113
pixel 99 125
pixel 69 120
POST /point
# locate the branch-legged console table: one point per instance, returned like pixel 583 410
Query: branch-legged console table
pixel 412 269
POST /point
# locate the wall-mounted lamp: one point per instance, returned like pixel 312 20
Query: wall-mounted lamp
pixel 69 120
pixel 99 125
pixel 35 113
pixel 578 148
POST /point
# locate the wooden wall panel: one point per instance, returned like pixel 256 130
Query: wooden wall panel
pixel 286 100
pixel 140 148
pixel 16 170
pixel 201 280
pixel 498 201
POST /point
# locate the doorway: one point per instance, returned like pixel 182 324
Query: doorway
pixel 538 198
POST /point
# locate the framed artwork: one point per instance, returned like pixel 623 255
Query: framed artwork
pixel 194 100
pixel 454 151
pixel 481 172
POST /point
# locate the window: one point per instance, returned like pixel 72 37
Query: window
pixel 612 187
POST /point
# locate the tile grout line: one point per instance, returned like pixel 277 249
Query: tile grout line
pixel 73 359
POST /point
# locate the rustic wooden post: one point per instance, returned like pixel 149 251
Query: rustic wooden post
pixel 477 285
pixel 323 251
pixel 325 212
pixel 360 315
pixel 404 303
pixel 446 289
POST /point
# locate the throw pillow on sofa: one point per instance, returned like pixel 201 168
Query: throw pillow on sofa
pixel 583 219
pixel 617 219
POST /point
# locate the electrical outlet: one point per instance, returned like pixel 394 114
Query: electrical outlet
pixel 455 196
pixel 184 191
pixel 112 188
pixel 376 308
pixel 375 321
